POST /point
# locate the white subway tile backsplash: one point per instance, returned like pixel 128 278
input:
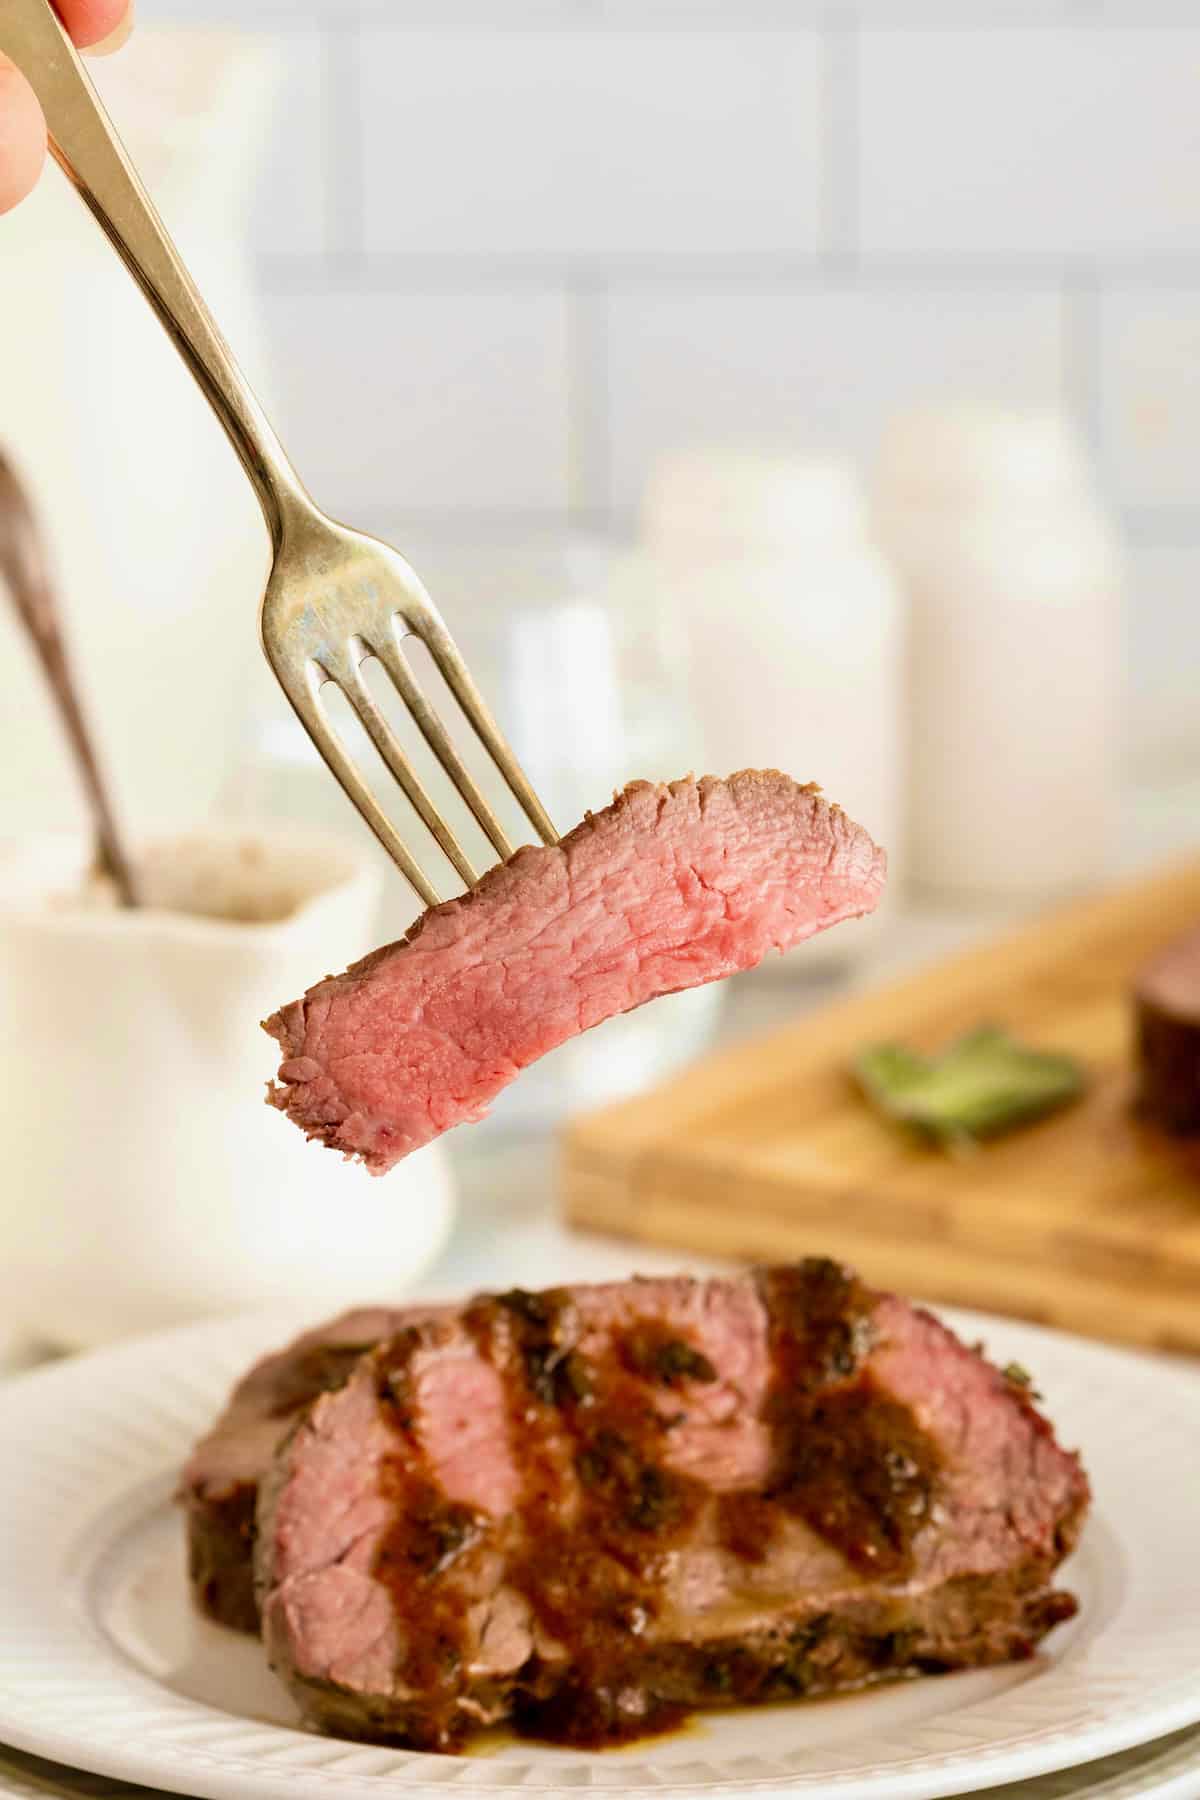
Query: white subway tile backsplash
pixel 1163 719
pixel 348 13
pixel 1150 396
pixel 718 12
pixel 1044 141
pixel 1135 12
pixel 591 142
pixel 293 199
pixel 812 366
pixel 441 13
pixel 916 14
pixel 251 15
pixel 393 402
pixel 516 250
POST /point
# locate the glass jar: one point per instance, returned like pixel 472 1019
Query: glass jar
pixel 1013 577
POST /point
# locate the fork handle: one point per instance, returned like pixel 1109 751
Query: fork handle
pixel 87 148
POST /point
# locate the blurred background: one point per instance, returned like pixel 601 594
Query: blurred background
pixel 750 380
pixel 503 258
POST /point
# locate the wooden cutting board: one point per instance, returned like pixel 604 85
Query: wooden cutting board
pixel 1088 1221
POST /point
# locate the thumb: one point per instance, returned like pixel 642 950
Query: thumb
pixel 97 25
pixel 22 136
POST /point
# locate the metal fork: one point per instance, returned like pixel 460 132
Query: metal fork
pixel 334 597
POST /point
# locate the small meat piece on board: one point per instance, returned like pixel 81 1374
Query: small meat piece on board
pixel 1167 1024
pixel 667 888
pixel 219 1485
pixel 591 1509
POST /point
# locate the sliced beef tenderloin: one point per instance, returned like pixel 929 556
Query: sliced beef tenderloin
pixel 1167 1013
pixel 589 1509
pixel 667 888
pixel 219 1484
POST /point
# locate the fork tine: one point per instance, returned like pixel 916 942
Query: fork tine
pixel 313 717
pixel 434 732
pixel 390 749
pixel 446 655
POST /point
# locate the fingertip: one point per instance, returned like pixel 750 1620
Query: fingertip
pixel 97 25
pixel 22 137
pixel 117 38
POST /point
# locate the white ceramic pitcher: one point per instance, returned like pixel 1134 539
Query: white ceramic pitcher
pixel 145 1181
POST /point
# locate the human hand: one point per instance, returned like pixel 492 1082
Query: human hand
pixel 97 25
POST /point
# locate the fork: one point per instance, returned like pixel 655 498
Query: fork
pixel 334 597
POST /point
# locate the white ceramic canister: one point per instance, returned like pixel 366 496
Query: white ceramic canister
pixel 157 538
pixel 146 1181
pixel 1013 579
pixel 793 631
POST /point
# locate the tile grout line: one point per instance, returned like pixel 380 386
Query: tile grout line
pixel 935 19
pixel 1089 16
pixel 482 271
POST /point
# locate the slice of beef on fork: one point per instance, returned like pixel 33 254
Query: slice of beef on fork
pixel 668 888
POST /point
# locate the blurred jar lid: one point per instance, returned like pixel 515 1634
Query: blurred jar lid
pixel 746 501
pixel 973 455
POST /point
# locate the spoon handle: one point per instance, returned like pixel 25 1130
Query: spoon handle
pixel 24 567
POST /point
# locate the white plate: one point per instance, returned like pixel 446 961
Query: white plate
pixel 1168 1769
pixel 102 1664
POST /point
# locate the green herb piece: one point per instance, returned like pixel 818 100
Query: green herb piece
pixel 984 1084
pixel 678 1361
pixel 1017 1375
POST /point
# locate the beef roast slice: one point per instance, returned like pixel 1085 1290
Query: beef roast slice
pixel 1167 1013
pixel 589 1508
pixel 219 1485
pixel 667 888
